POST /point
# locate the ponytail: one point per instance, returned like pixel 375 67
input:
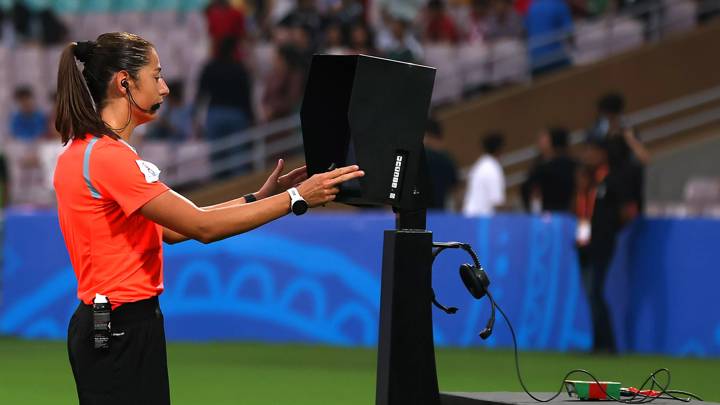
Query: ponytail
pixel 76 114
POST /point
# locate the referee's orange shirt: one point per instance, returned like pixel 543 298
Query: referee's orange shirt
pixel 100 185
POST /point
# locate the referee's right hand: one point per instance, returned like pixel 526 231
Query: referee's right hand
pixel 323 187
pixel 182 219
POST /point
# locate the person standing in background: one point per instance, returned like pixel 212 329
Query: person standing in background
pixel 626 152
pixel 552 182
pixel 604 205
pixel 441 168
pixel 504 21
pixel 439 25
pixel 225 87
pixel 285 83
pixel 224 21
pixel 486 180
pixel 28 126
pixel 27 123
pixel 531 202
pixel 175 123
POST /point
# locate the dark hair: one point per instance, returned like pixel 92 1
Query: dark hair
pixel 611 103
pixel 434 129
pixel 369 34
pixel 493 142
pixel 436 5
pixel 23 91
pixel 81 96
pixel 227 48
pixel 480 3
pixel 291 55
pixel 559 137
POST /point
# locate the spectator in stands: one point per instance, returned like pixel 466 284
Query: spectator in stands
pixel 21 21
pixel 441 168
pixel 28 123
pixel 522 6
pixel 224 21
pixel 307 16
pixel 348 13
pixel 175 121
pixel 41 26
pixel 225 87
pixel 504 21
pixel 552 182
pixel 362 40
pixel 52 30
pixel 47 152
pixel 579 8
pixel 439 26
pixel 259 22
pixel 486 181
pixel 301 38
pixel 596 8
pixel 549 28
pixel 284 86
pixel 334 41
pixel 477 21
pixel 399 43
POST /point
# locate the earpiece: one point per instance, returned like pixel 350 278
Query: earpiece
pixel 153 108
pixel 475 280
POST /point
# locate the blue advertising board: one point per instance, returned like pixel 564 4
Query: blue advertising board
pixel 316 279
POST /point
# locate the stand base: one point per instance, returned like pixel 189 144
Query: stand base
pixel 517 398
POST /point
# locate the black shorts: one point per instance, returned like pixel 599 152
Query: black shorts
pixel 134 369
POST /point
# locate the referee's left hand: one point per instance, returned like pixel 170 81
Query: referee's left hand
pixel 277 184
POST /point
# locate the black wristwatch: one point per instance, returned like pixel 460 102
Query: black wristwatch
pixel 298 205
pixel 250 198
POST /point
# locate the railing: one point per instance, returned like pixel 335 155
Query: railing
pixel 637 118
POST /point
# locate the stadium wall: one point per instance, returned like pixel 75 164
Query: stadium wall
pixel 316 280
pixel 653 74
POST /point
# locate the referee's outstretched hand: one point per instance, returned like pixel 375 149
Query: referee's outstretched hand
pixel 323 187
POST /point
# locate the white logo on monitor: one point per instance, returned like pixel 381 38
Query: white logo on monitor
pixel 396 176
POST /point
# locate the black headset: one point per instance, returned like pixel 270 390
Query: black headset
pixel 475 279
pixel 151 110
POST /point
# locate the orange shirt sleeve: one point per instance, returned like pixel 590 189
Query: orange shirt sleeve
pixel 119 174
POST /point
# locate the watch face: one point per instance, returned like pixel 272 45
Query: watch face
pixel 299 207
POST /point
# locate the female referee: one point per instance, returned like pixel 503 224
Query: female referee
pixel 115 213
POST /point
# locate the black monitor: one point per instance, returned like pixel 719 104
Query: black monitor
pixel 371 112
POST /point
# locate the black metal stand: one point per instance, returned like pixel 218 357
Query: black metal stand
pixel 406 371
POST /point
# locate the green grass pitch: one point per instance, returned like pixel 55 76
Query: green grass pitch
pixel 246 373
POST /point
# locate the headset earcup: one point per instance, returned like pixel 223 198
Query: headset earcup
pixel 475 280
